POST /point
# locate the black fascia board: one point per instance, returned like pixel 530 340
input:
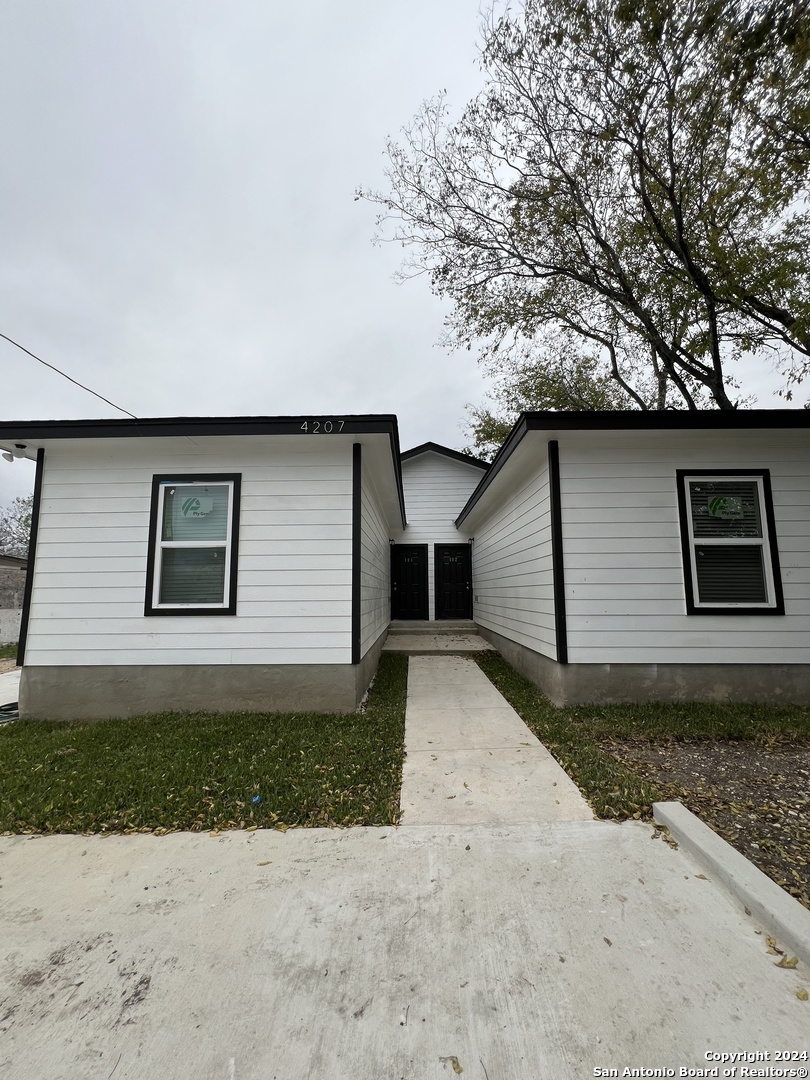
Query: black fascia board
pixel 445 451
pixel 513 440
pixel 636 420
pixel 156 427
pixel 668 420
pixel 163 426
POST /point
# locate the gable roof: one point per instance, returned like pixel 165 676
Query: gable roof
pixel 445 451
pixel 552 423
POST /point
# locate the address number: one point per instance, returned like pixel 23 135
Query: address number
pixel 322 427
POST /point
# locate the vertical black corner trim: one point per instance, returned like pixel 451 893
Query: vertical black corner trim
pixel 557 562
pixel 357 542
pixel 32 555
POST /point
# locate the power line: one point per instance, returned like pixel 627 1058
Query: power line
pixel 68 377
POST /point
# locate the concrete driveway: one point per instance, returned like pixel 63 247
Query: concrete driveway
pixel 467 942
pixel 377 954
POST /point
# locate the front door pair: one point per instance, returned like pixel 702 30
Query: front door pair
pixel 409 581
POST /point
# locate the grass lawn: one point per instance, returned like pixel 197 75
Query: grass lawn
pixel 203 772
pixel 743 769
pixel 8 652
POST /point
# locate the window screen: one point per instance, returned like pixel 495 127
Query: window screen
pixel 728 556
pixel 193 545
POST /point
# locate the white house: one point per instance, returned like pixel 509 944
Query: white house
pixel 255 563
pixel 219 564
pixel 649 555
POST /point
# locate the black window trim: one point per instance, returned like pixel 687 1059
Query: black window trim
pixel 154 525
pixel 764 475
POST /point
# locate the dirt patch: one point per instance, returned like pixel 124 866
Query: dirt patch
pixel 8 664
pixel 757 797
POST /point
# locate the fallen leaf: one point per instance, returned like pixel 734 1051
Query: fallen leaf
pixel 801 994
pixel 785 963
pixel 607 941
pixel 265 863
pixel 453 1060
pixel 702 877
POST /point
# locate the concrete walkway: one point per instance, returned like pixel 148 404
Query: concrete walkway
pixel 470 759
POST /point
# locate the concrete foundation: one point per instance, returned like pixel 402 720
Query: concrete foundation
pixel 99 693
pixel 605 684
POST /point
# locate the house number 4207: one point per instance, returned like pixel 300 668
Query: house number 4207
pixel 322 427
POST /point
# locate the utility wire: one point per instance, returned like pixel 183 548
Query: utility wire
pixel 64 376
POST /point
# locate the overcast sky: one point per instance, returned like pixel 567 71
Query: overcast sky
pixel 178 226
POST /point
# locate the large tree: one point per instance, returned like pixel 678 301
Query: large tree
pixel 15 526
pixel 549 373
pixel 633 179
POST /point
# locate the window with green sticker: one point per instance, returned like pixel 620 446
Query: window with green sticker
pixel 731 562
pixel 193 545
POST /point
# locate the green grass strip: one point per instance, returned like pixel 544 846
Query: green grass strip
pixel 203 771
pixel 8 652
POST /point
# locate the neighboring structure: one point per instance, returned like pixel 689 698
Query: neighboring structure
pixel 255 563
pixel 12 589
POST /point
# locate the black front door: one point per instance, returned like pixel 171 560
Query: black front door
pixel 453 581
pixel 409 581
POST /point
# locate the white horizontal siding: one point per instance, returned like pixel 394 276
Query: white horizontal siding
pixel 375 572
pixel 294 582
pixel 436 489
pixel 512 571
pixel 624 577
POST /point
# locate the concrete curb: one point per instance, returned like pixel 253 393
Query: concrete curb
pixel 779 913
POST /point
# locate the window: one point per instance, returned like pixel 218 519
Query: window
pixel 193 534
pixel 731 563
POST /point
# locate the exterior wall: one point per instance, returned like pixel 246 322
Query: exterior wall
pixel 375 578
pixel 624 578
pixel 10 619
pixel 436 488
pixel 512 570
pixel 294 583
pixel 12 587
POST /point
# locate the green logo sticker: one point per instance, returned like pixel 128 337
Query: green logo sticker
pixel 197 508
pixel 725 506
